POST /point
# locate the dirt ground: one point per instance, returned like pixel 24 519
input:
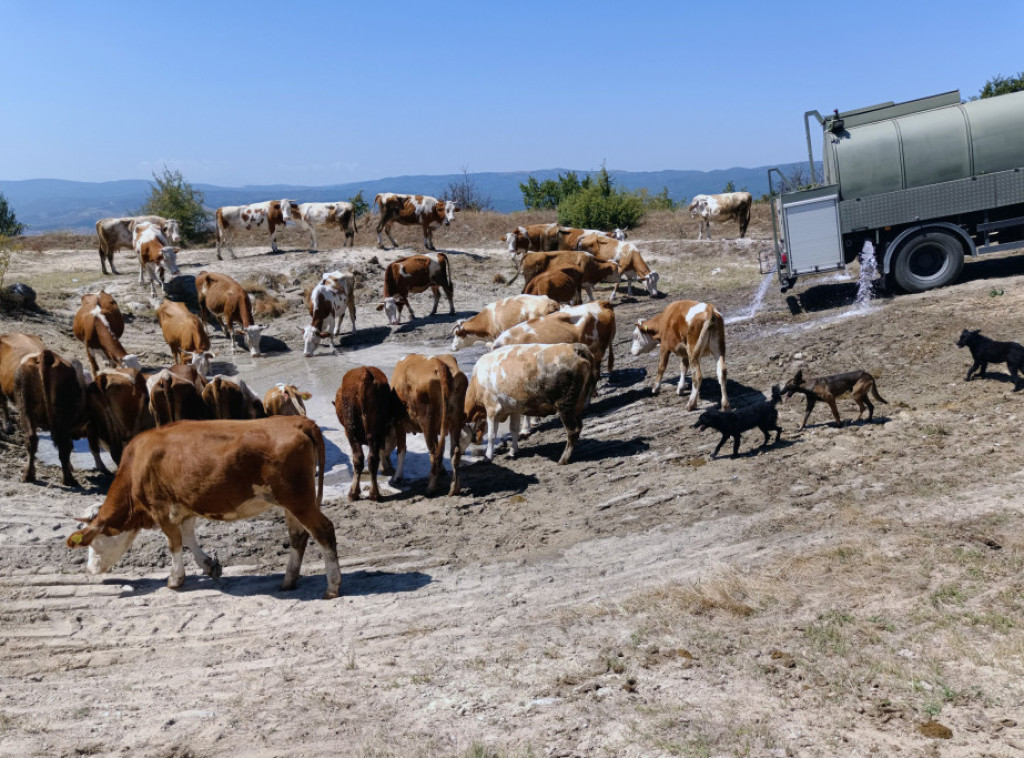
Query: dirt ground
pixel 854 591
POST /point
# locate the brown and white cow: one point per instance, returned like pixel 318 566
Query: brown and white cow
pixel 327 304
pixel 410 210
pixel 156 256
pixel 220 470
pixel 499 316
pixel 176 394
pixel 49 394
pixel 562 284
pixel 728 206
pixel 604 328
pixel 366 406
pixel 691 330
pixel 117 403
pixel 431 391
pixel 535 237
pixel 185 334
pixel 309 216
pixel 113 234
pixel 285 400
pixel 413 274
pixel 556 328
pixel 231 218
pixel 592 269
pixel 530 380
pixel 224 299
pixel 97 325
pixel 627 256
pixel 229 398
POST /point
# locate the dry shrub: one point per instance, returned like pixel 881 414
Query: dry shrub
pixel 729 593
pixel 500 279
pixel 58 240
pixel 269 306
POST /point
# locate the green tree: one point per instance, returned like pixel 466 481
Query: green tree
pixel 659 202
pixel 172 197
pixel 547 195
pixel 1002 85
pixel 359 205
pixel 730 186
pixel 592 208
pixel 9 226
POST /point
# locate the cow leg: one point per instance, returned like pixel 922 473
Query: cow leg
pixel 662 365
pixel 313 522
pixel 400 462
pixel 273 241
pixel 428 241
pixel 449 291
pixel 387 231
pixel 31 446
pixel 492 432
pixel 209 564
pixel 374 462
pixel 723 381
pixel 573 427
pixel 435 290
pixel 351 313
pixel 456 457
pixel 103 263
pixel 589 288
pixel 683 366
pixel 695 382
pixel 514 422
pixel 174 540
pixel 94 448
pixel 5 413
pixel 357 469
pixel 312 233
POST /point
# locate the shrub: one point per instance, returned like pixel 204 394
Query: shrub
pixel 9 226
pixel 550 193
pixel 7 248
pixel 600 206
pixel 172 197
pixel 359 205
pixel 466 195
pixel 659 202
pixel 1002 85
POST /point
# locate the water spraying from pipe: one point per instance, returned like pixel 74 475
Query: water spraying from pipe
pixel 756 303
pixel 868 272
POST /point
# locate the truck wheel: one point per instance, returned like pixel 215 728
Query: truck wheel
pixel 928 260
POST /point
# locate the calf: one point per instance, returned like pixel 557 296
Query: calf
pixel 98 324
pixel 366 405
pixel 432 393
pixel 113 234
pixel 327 305
pixel 220 470
pixel 499 316
pixel 691 330
pixel 285 400
pixel 231 218
pixel 176 394
pixel 530 380
pixel 231 399
pixel 156 256
pixel 309 216
pixel 410 210
pixel 985 351
pixel 411 275
pixel 184 333
pixel 223 299
pixel 627 256
pixel 728 206
pixel 562 285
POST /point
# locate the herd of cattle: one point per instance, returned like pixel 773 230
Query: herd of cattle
pixel 546 351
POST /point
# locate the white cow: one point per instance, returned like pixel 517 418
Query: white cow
pixel 309 216
pixel 273 213
pixel 729 206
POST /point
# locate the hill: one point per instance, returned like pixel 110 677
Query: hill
pixel 52 204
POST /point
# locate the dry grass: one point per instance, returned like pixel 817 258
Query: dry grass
pixel 58 240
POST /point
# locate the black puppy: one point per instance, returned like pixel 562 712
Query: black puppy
pixel 986 351
pixel 763 415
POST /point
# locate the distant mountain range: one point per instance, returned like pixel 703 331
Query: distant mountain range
pixel 55 204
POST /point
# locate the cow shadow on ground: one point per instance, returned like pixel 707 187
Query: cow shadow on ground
pixel 474 256
pixel 586 450
pixel 614 401
pixel 223 368
pixel 310 587
pixel 483 478
pixel 366 337
pixel 438 318
pixel 625 377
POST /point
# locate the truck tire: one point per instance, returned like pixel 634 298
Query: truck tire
pixel 928 260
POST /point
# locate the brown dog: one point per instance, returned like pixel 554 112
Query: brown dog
pixel 828 389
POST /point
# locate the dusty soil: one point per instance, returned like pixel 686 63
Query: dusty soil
pixel 852 591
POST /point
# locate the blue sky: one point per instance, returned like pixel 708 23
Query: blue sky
pixel 327 92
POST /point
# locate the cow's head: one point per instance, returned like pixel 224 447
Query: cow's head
pixel 450 209
pixel 106 544
pixel 392 307
pixel 252 338
pixel 651 281
pixel 643 340
pixel 619 234
pixel 168 262
pixel 460 337
pixel 311 339
pixel 201 360
pixel 172 230
pixel 130 361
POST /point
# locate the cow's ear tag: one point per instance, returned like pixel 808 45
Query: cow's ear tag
pixel 76 538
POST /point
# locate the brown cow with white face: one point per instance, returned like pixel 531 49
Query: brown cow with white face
pixel 185 334
pixel 223 297
pixel 626 255
pixel 97 325
pixel 691 330
pixel 156 256
pixel 413 274
pixel 499 316
pixel 285 400
pixel 220 470
pixel 728 206
pixel 431 391
pixel 410 210
pixel 231 218
pixel 530 380
pixel 113 234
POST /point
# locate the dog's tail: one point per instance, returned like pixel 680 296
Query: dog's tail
pixel 777 396
pixel 874 392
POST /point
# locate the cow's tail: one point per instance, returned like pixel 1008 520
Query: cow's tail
pixel 376 203
pixel 446 395
pixel 704 337
pixel 312 430
pixel 46 362
pixel 443 259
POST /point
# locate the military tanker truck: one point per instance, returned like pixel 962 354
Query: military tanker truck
pixel 927 182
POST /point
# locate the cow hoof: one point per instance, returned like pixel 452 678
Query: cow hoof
pixel 287 586
pixel 374 495
pixel 173 584
pixel 215 569
pixel 331 595
pixel 354 495
pixel 654 390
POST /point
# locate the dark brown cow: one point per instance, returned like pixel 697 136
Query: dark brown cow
pixel 561 285
pixel 221 470
pixel 231 399
pixel 592 270
pixel 231 218
pixel 366 404
pixel 98 325
pixel 626 255
pixel 185 334
pixel 409 210
pixel 411 275
pixel 432 393
pixel 118 408
pixel 224 299
pixel 176 394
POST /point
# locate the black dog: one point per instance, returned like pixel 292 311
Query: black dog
pixel 763 415
pixel 986 351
